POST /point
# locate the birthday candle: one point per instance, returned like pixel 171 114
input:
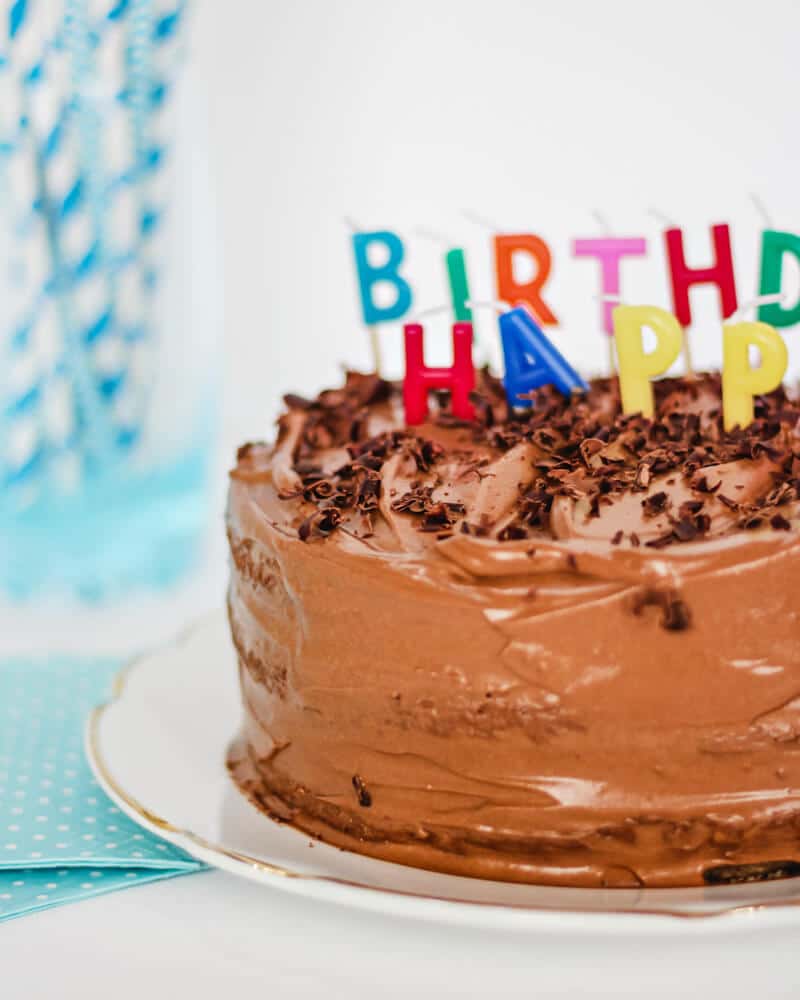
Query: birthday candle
pixel 637 368
pixel 773 247
pixel 531 359
pixel 683 277
pixel 609 251
pixel 459 284
pixel 528 293
pixel 369 275
pixel 741 382
pixel 419 379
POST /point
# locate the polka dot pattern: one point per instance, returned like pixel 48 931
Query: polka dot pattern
pixel 31 889
pixel 61 837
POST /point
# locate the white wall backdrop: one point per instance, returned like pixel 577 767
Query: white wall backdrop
pixel 533 114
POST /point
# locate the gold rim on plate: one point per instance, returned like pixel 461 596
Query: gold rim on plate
pixel 164 826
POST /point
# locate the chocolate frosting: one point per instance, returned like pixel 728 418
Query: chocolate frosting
pixel 559 645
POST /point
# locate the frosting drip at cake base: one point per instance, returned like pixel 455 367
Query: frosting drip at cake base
pixel 561 648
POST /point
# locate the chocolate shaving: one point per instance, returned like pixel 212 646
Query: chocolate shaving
pixel 362 792
pixel 476 530
pixel 319 524
pixel 763 871
pixel 322 489
pixel 685 530
pixel 675 613
pixel 368 492
pixel 662 541
pixel 435 518
pixel 586 449
pixel 435 515
pixel 690 507
pixel 295 402
pixel 676 616
pixel 512 533
pixel 244 450
pixel 702 485
pixel 656 504
pixel 425 454
pixel 416 501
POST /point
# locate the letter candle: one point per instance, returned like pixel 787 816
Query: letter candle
pixel 370 274
pixel 459 284
pixel 610 251
pixel 531 360
pixel 419 379
pixel 455 266
pixel 529 293
pixel 683 277
pixel 741 382
pixel 774 246
pixel 636 368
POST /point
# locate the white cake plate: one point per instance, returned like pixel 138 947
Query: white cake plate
pixel 158 749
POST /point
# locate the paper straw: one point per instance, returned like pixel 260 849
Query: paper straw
pixel 79 84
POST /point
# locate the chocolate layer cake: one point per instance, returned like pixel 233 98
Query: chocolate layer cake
pixel 561 646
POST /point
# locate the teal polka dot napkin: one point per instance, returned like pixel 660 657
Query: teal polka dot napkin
pixel 61 837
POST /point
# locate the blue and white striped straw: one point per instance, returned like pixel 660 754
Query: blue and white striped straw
pixel 83 91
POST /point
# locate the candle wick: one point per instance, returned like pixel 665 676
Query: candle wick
pixel 480 220
pixel 601 221
pixel 759 300
pixel 665 220
pixel 432 235
pixel 497 305
pixel 761 208
pixel 430 311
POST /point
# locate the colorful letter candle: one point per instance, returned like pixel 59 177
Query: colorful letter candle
pixel 531 360
pixel 740 382
pixel 773 247
pixel 610 250
pixel 419 379
pixel 529 293
pixel 635 367
pixel 371 274
pixel 720 273
pixel 459 285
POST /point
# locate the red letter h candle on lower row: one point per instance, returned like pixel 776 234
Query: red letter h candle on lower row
pixel 419 379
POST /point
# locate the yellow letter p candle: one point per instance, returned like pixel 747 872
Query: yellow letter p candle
pixel 635 367
pixel 740 382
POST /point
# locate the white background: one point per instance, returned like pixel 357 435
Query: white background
pixel 403 115
pixel 532 114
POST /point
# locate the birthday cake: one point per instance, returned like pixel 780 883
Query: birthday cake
pixel 556 646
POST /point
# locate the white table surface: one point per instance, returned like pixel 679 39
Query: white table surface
pixel 212 935
pixel 209 934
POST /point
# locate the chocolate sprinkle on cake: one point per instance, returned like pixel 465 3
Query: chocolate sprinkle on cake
pixel 362 792
pixel 586 449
